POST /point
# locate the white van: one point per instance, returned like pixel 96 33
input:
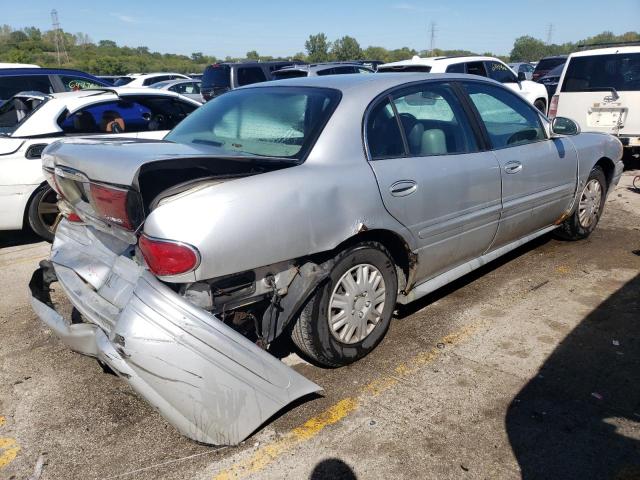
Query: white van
pixel 600 90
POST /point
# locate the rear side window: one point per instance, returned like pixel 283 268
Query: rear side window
pixel 456 68
pixel 601 72
pixel 509 120
pixel 433 121
pixel 344 70
pixel 269 122
pixel 73 83
pixel 126 116
pixel 500 72
pixel 249 75
pixel 476 68
pixel 406 68
pixel 152 80
pixel 281 74
pixel 9 86
pixel 383 132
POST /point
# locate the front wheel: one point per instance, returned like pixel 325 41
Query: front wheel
pixel 587 213
pixel 348 315
pixel 43 214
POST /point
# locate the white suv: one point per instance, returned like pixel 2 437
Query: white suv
pixel 600 90
pixel 534 93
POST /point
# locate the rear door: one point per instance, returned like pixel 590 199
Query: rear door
pixel 602 93
pixel 433 176
pixel 538 173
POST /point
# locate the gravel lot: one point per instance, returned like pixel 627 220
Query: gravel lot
pixel 528 368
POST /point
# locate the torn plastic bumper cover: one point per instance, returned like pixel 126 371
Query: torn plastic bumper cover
pixel 207 380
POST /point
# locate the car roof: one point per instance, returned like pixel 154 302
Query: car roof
pixel 320 66
pixel 373 84
pixel 42 71
pixel 431 61
pixel 607 51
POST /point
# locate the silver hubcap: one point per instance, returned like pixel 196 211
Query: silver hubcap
pixel 356 304
pixel 589 207
pixel 48 210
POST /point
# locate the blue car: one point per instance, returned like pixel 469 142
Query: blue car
pixel 45 80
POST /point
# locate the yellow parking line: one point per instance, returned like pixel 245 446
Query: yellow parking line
pixel 340 410
pixel 9 448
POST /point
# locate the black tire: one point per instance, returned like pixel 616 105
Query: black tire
pixel 572 229
pixel 311 333
pixel 42 224
pixel 541 105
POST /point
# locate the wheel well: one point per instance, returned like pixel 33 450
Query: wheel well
pixel 25 214
pixel 608 168
pixel 401 253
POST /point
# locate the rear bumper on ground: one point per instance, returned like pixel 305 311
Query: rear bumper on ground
pixel 13 203
pixel 207 380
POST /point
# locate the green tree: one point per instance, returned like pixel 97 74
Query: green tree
pixel 346 48
pixel 253 56
pixel 375 53
pixel 317 48
pixel 527 49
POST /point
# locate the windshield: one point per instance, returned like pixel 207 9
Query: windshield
pixel 281 122
pixel 602 72
pixel 15 111
pixel 216 76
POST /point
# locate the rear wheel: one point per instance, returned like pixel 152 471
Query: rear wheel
pixel 349 314
pixel 587 213
pixel 43 214
pixel 541 105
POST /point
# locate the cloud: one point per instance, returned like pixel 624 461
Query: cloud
pixel 123 18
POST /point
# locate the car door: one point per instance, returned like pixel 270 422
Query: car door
pixel 539 174
pixel 433 175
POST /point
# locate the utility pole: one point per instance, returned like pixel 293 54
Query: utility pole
pixel 58 38
pixel 549 33
pixel 432 42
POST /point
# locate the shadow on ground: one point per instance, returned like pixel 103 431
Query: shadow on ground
pixel 17 237
pixel 332 469
pixel 580 417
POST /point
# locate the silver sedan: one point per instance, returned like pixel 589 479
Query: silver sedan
pixel 186 88
pixel 306 208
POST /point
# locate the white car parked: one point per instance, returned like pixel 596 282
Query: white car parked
pixel 534 93
pixel 30 121
pixel 148 79
pixel 600 91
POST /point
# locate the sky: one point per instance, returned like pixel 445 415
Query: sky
pixel 280 27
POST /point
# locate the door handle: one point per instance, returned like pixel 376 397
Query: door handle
pixel 513 167
pixel 402 188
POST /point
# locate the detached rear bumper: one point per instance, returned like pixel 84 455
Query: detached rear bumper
pixel 207 380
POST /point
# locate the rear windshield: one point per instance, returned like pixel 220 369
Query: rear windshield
pixel 548 63
pixel 15 111
pixel 602 72
pixel 122 81
pixel 406 68
pixel 216 76
pixel 280 74
pixel 280 122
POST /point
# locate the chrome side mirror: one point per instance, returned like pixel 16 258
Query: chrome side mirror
pixel 561 126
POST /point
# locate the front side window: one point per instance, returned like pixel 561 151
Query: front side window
pixel 500 72
pixel 383 132
pixel 186 88
pixel 71 83
pixel 509 120
pixel 249 75
pixel 268 122
pixel 476 68
pixel 602 72
pixel 433 121
pixel 126 116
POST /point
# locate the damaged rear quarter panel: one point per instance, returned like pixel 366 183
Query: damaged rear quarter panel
pixel 281 215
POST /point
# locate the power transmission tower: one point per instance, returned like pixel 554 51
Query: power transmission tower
pixel 432 42
pixel 549 33
pixel 58 38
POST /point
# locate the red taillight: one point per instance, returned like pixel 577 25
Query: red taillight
pixel 112 204
pixel 73 217
pixel 553 106
pixel 165 257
